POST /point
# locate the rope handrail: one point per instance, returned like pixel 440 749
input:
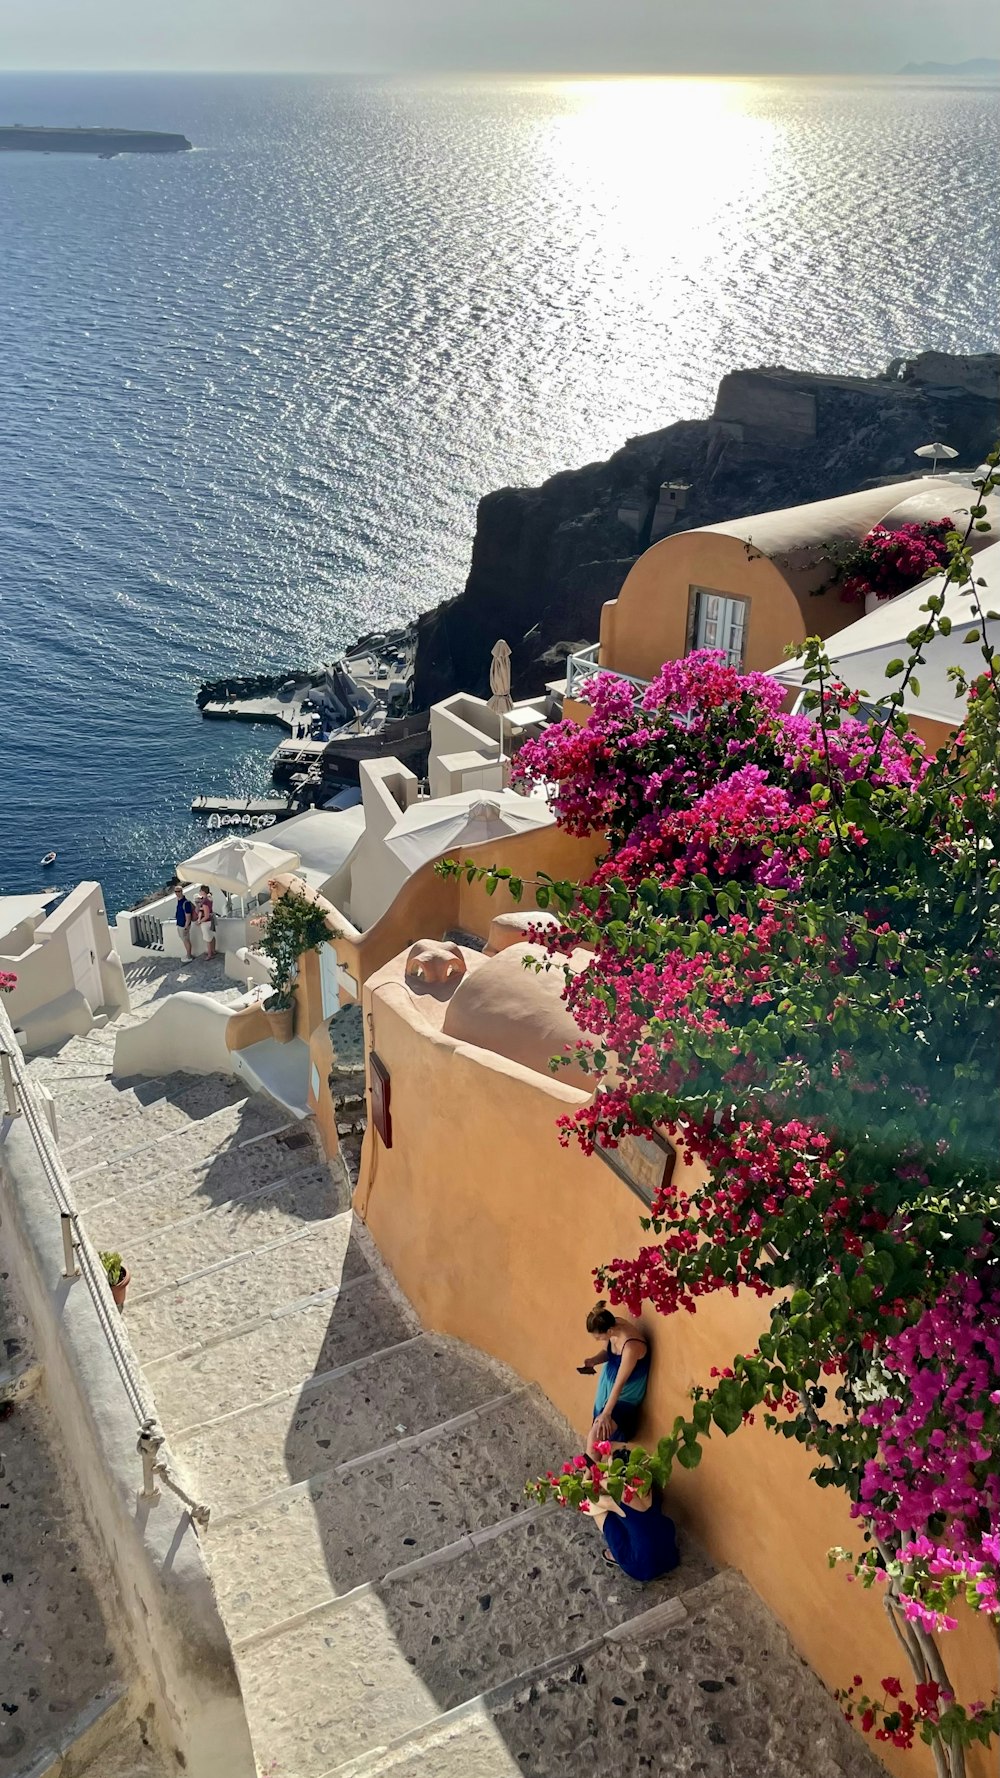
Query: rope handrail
pixel 91 1267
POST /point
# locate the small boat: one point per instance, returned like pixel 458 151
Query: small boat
pixel 49 858
pixel 215 821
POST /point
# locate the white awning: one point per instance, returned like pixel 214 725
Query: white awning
pixel 433 828
pixel 860 653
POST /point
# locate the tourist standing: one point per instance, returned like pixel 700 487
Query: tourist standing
pixel 205 916
pixel 184 916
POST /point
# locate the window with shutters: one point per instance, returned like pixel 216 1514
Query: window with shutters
pixel 719 621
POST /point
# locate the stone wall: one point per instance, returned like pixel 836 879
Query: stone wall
pixel 159 1598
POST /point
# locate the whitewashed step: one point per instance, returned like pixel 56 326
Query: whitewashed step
pixel 150 1151
pixel 293 1344
pixel 353 1525
pixel 246 1456
pixel 721 1693
pixel 117 1117
pixel 241 1291
pixel 137 1213
pixel 267 1213
pixel 390 1657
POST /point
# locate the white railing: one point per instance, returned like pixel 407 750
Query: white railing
pixel 585 664
pixel 21 1099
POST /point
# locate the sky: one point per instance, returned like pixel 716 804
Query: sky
pixel 530 36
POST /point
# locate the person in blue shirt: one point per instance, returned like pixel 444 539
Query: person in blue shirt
pixel 639 1537
pixel 184 916
pixel 625 1360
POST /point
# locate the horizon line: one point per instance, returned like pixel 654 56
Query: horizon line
pixel 480 73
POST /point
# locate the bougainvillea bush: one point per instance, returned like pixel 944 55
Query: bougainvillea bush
pixel 890 562
pixel 796 937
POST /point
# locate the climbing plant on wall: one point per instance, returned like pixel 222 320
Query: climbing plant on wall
pixel 796 937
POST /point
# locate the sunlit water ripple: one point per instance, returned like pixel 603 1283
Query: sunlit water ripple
pixel 250 396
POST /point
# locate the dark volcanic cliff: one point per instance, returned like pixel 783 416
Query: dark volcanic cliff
pixel 546 559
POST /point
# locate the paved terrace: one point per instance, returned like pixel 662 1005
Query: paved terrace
pixel 395 1605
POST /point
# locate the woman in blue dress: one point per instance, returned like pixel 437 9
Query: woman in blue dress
pixel 620 1392
pixel 640 1539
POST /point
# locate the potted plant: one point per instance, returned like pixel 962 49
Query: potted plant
pixel 295 925
pixel 118 1277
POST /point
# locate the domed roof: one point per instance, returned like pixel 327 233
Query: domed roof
pixel 518 1012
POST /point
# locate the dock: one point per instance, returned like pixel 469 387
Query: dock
pixel 247 807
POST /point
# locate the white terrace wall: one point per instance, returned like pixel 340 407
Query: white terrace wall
pixel 67 972
pixel 159 1596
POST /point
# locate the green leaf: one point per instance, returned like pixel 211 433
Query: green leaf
pixel 895 667
pixel 689 1456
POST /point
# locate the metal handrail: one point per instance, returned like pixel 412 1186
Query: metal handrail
pixel 585 665
pixel 24 1099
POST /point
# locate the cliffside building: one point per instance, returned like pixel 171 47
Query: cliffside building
pixel 752 586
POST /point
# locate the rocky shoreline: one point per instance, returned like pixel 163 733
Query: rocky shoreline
pixel 545 559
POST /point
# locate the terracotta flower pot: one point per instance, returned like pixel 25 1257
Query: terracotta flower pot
pixel 282 1023
pixel 118 1290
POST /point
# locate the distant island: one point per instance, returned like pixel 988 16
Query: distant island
pixel 979 65
pixel 36 139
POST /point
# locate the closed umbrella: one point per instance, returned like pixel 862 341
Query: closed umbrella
pixel 434 828
pixel 500 700
pixel 237 867
pixel 937 452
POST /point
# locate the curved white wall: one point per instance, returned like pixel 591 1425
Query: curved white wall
pixel 188 1032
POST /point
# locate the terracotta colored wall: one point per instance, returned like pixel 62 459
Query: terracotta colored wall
pixel 321 1105
pixel 492 1230
pixel 248 1025
pixel 428 905
pixel 935 734
pixel 648 622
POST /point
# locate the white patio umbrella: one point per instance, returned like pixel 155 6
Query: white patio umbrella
pixel 238 867
pixel 938 452
pixel 434 828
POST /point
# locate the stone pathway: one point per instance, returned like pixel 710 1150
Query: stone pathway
pixel 395 1605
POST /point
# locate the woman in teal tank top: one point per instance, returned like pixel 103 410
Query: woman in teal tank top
pixel 625 1374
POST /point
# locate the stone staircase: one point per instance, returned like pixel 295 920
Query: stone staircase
pixel 395 1604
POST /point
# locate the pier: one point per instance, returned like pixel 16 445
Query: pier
pixel 246 807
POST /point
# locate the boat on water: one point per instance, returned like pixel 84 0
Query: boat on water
pixel 49 858
pixel 39 139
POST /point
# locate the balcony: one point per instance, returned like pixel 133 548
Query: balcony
pixel 584 664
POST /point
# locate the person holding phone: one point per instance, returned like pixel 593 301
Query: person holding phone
pixel 624 1376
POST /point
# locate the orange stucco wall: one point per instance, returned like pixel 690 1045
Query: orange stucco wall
pixel 648 622
pixel 427 906
pixel 321 1104
pixel 249 1025
pixel 492 1230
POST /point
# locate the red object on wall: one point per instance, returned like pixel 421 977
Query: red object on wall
pixel 381 1099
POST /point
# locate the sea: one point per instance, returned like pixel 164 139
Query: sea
pixel 251 395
